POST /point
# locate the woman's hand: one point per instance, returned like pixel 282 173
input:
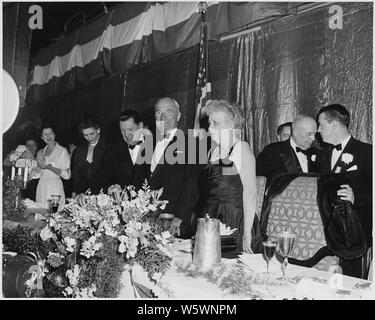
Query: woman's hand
pixel 42 164
pixel 246 244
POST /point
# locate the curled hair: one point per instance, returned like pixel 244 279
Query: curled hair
pixel 48 126
pixel 130 114
pixel 231 110
pixel 89 121
pixel 336 112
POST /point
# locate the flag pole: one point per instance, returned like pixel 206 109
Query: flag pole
pixel 203 88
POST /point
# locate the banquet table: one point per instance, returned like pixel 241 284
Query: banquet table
pixel 302 283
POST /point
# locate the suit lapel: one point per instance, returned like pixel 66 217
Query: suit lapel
pixel 125 159
pixel 159 165
pixel 349 148
pixel 290 159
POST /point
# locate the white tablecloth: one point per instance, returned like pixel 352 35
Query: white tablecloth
pixel 308 283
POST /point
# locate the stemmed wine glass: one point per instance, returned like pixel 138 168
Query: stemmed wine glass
pixel 55 201
pixel 286 242
pixel 269 248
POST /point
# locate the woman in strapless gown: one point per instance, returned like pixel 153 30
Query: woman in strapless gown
pixel 228 183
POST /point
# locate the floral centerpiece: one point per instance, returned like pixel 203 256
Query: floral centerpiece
pixel 93 240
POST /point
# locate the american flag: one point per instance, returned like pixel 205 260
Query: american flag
pixel 203 88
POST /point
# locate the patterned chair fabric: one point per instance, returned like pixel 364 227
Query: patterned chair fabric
pixel 296 210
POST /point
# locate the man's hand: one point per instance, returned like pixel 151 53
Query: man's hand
pixel 346 193
pixel 175 226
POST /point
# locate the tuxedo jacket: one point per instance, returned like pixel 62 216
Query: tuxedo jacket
pixel 355 162
pixel 277 158
pixel 117 168
pixel 180 184
pixel 82 171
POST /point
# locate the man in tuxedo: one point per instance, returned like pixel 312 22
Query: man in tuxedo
pixel 353 157
pixel 171 170
pixel 121 163
pixel 86 159
pixel 294 155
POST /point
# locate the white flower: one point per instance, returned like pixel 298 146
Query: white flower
pixel 347 158
pixel 68 291
pixel 73 275
pixel 46 233
pixel 103 200
pixel 89 247
pixel 123 240
pixel 70 243
pixel 163 237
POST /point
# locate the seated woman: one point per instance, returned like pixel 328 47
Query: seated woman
pixel 228 182
pixel 28 152
pixel 54 164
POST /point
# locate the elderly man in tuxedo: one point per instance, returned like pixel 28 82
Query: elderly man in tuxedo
pixel 294 155
pixel 171 170
pixel 354 158
pixel 86 159
pixel 121 163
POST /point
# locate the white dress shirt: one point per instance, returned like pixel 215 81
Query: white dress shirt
pixel 302 158
pixel 336 154
pixel 159 149
pixel 134 153
pixel 90 152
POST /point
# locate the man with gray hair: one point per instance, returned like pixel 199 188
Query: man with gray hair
pixel 171 170
pixel 294 155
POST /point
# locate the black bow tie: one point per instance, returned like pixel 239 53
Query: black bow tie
pixel 305 152
pixel 167 135
pixel 132 146
pixel 338 147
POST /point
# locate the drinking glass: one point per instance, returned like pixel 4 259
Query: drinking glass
pixel 286 242
pixel 55 201
pixel 269 248
pixel 167 220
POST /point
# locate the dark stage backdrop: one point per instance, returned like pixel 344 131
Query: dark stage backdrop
pixel 293 65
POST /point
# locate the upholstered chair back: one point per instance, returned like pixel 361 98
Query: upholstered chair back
pixel 296 210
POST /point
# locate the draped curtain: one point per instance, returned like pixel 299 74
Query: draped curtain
pixel 298 65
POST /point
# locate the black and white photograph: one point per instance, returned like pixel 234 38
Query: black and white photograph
pixel 206 152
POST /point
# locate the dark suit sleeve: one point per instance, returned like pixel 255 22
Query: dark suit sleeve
pixel 264 161
pixel 104 175
pixel 188 198
pixel 77 179
pixel 363 187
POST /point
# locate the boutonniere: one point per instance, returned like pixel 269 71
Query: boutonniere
pixel 313 157
pixel 347 158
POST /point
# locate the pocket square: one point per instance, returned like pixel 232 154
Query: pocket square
pixel 352 168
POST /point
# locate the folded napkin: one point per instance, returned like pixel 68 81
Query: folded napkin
pixel 183 245
pixel 312 289
pixel 226 230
